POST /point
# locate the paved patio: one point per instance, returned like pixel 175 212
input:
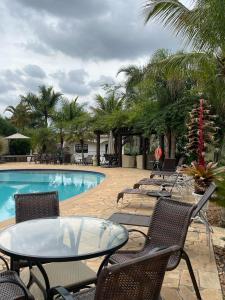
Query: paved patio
pixel 101 202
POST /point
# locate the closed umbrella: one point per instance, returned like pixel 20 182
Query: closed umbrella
pixel 111 149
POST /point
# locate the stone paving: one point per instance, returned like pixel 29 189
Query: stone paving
pixel 101 202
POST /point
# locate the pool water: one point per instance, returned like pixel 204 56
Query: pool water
pixel 67 183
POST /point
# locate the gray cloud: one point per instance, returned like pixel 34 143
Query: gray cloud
pixel 34 71
pixel 115 29
pixel 5 87
pixel 69 8
pixel 78 75
pixel 73 82
pixel 101 81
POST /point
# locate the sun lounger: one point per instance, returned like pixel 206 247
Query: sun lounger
pixel 144 220
pixel 152 193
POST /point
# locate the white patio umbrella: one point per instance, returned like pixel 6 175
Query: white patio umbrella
pixel 111 149
pixel 16 136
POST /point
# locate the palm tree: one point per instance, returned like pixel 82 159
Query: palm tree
pixel 108 104
pixel 43 104
pixel 202 25
pixel 21 115
pixel 80 130
pixel 65 115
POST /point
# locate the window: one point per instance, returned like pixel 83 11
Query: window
pixel 78 148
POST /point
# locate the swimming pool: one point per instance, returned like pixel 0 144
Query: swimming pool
pixel 67 183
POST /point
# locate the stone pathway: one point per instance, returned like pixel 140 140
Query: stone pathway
pixel 101 202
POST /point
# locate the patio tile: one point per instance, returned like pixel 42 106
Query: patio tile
pixel 209 280
pixel 101 202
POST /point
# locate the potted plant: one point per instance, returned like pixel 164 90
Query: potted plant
pixel 204 175
pixel 128 160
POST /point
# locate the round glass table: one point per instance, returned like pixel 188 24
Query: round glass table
pixel 62 239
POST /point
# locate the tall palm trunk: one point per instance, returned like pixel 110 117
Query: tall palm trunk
pixel 167 144
pixel 173 145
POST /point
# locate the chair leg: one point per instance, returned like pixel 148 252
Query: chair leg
pixel 191 272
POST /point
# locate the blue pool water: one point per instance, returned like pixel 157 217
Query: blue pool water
pixel 67 183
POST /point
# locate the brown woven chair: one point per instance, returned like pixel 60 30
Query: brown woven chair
pixel 36 205
pixel 140 278
pixel 42 205
pixel 11 286
pixel 169 226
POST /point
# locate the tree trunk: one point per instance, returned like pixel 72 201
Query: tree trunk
pixel 173 145
pixel 167 144
pixel 162 144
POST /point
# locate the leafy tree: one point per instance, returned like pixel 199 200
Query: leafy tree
pixel 43 140
pixel 6 128
pixel 80 130
pixel 65 115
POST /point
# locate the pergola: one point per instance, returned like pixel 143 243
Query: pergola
pixel 119 135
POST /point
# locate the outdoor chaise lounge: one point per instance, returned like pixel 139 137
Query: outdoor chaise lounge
pixel 144 220
pixel 169 225
pixel 72 274
pixel 151 193
pixel 137 279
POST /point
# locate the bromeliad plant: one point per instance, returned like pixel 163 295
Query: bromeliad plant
pixel 201 133
pixel 204 175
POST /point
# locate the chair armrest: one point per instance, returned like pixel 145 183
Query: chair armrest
pixel 139 231
pixel 5 261
pixel 64 293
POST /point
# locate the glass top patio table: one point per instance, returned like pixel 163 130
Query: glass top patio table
pixel 62 239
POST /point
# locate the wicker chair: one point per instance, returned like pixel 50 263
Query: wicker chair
pixel 36 205
pixel 140 278
pixel 11 286
pixel 169 226
pixel 42 205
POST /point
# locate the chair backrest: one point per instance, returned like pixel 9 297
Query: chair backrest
pixel 36 205
pixel 169 164
pixel 139 278
pixel 169 226
pixel 205 198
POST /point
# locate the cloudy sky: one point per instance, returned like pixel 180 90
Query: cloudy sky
pixel 74 45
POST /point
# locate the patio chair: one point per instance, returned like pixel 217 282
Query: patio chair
pixel 151 193
pixel 169 164
pixel 11 286
pixel 169 225
pixel 42 205
pixel 140 278
pixel 168 168
pixel 145 220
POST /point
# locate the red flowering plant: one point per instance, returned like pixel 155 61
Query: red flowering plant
pixel 201 133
